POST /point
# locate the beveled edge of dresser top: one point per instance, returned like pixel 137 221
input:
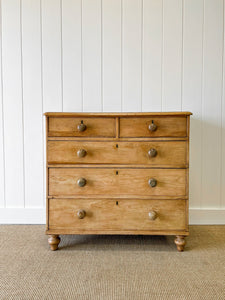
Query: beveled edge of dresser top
pixel 115 114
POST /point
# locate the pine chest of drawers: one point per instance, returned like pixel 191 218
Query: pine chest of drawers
pixel 117 173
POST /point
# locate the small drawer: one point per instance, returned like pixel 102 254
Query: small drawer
pixel 163 153
pixel 117 182
pixel 82 127
pixel 153 127
pixel 109 214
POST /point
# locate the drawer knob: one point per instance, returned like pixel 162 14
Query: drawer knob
pixel 81 153
pixel 152 152
pixel 152 182
pixel 152 215
pixel 81 213
pixel 81 127
pixel 152 126
pixel 81 182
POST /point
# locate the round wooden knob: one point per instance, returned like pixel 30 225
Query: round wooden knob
pixel 152 126
pixel 152 152
pixel 81 213
pixel 81 182
pixel 152 182
pixel 152 215
pixel 81 153
pixel 81 127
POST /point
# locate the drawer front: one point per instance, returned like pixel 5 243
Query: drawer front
pixel 150 153
pixel 86 127
pixel 163 127
pixel 99 181
pixel 117 214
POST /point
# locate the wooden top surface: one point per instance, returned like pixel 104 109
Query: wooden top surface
pixel 116 114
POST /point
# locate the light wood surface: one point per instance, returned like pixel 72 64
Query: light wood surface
pixel 123 173
pixel 116 114
pixel 166 126
pixel 180 242
pixel 118 139
pixel 171 182
pixel 168 153
pixel 54 241
pixel 68 231
pixel 116 215
pixel 97 127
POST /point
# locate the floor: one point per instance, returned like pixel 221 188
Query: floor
pixel 111 267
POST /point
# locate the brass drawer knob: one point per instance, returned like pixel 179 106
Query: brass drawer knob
pixel 152 152
pixel 152 215
pixel 81 213
pixel 81 153
pixel 81 182
pixel 152 126
pixel 152 182
pixel 81 127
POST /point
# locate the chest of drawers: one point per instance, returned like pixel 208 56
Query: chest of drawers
pixel 117 173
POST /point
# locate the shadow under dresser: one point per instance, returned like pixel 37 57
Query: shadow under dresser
pixel 117 173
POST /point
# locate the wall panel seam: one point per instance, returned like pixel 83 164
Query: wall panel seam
pixel 61 43
pixel 182 56
pixel 82 57
pixel 202 102
pixel 42 102
pixel 162 54
pixel 102 100
pixel 142 29
pixel 22 105
pixel 122 56
pixel 3 135
pixel 221 118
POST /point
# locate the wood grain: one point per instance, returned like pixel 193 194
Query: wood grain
pixel 116 215
pixel 68 231
pixel 168 153
pixel 63 181
pixel 116 114
pixel 105 180
pixel 138 127
pixel 97 127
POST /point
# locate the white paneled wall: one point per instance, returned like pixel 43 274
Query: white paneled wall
pixel 110 55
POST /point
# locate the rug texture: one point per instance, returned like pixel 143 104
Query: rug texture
pixel 111 267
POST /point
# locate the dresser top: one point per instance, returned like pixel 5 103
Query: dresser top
pixel 116 114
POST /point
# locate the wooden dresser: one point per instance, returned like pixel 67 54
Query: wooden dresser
pixel 117 173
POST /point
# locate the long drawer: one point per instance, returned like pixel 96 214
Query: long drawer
pixel 82 127
pixel 169 153
pixel 153 127
pixel 86 214
pixel 110 181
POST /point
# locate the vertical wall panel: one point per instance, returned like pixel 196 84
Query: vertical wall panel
pixel 32 100
pixel 91 45
pixel 132 55
pixel 212 93
pixel 152 55
pixel 222 181
pixel 111 54
pixel 13 103
pixel 2 167
pixel 172 55
pixel 192 89
pixel 51 51
pixel 71 55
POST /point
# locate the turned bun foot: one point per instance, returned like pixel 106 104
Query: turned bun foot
pixel 180 242
pixel 54 241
